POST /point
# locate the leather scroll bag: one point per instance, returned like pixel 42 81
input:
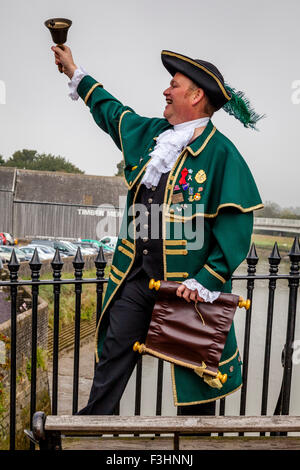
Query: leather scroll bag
pixel 190 334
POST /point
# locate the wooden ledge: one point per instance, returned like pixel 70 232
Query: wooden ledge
pixel 89 425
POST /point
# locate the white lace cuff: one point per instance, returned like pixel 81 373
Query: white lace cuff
pixel 73 84
pixel 207 295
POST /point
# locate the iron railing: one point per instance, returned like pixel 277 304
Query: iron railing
pixel 35 265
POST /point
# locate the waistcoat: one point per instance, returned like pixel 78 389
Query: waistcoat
pixel 149 247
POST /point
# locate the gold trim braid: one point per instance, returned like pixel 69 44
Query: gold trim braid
pixel 178 274
pixel 177 403
pixel 91 91
pixel 179 218
pixel 176 242
pixel 195 154
pixel 117 271
pixel 114 279
pixel 213 273
pixel 176 252
pixel 128 243
pixel 126 252
pixel 186 59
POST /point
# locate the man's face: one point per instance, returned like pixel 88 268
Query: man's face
pixel 179 100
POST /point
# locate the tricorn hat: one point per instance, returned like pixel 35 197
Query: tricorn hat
pixel 210 79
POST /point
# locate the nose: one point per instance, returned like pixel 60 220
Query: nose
pixel 166 92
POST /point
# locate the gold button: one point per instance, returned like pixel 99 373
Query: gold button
pixel 145 225
pixel 145 239
pixel 147 213
pixel 172 211
pixel 150 200
pixel 145 252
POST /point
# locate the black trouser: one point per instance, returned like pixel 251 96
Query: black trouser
pixel 129 319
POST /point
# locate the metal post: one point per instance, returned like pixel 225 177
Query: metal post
pixel 252 260
pixel 138 388
pixel 159 388
pixel 78 264
pixel 274 261
pixel 291 321
pixel 100 264
pixel 35 266
pixel 57 265
pixel 13 267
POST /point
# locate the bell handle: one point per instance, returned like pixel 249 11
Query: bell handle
pixel 60 66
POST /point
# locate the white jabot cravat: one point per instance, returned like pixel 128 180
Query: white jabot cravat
pixel 168 146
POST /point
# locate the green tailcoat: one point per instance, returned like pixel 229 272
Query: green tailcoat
pixel 222 210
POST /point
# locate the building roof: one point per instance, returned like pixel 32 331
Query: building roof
pixel 62 188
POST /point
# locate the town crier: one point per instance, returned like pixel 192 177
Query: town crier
pixel 183 166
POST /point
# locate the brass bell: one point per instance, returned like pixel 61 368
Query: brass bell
pixel 58 28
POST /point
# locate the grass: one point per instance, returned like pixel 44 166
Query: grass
pixel 267 241
pixel 67 297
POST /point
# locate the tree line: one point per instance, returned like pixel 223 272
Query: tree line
pixel 32 160
pixel 274 210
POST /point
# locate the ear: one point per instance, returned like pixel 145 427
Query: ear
pixel 198 95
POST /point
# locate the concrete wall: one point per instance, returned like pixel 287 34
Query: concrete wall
pixel 23 362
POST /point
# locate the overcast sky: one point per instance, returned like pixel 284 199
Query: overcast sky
pixel 256 45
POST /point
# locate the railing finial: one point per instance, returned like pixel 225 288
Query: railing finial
pixel 252 257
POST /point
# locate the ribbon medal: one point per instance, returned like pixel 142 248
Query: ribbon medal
pixel 200 176
pixel 184 174
pixel 177 195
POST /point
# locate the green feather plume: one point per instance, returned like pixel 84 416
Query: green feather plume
pixel 240 107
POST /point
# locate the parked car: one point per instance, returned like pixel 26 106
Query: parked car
pixel 62 247
pixel 7 238
pixel 109 241
pixel 10 240
pixel 88 247
pixel 29 250
pixel 84 251
pixel 5 253
pixel 97 243
pixel 47 249
pixel 2 238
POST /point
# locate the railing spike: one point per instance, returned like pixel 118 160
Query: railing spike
pixel 78 258
pixel 252 257
pixel 35 265
pixel 275 257
pixel 13 266
pixel 294 254
pixel 56 259
pixel 35 260
pixel 100 261
pixel 13 262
